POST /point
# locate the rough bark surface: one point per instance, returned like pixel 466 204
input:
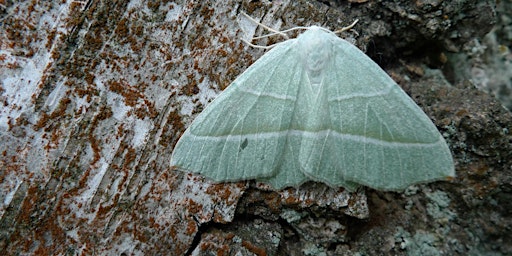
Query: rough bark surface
pixel 94 94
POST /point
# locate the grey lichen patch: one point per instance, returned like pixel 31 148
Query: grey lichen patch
pixel 487 61
pixel 420 244
pixel 291 216
pixel 438 207
pixel 254 237
pixel 312 249
pixel 321 230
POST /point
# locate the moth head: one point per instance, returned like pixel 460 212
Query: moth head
pixel 316 48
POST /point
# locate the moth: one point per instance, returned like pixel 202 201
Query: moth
pixel 315 108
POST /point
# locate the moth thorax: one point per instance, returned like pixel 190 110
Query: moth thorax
pixel 316 57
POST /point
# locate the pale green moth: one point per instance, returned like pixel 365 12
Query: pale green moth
pixel 315 108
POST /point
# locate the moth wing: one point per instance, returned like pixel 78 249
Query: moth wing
pixel 378 136
pixel 242 134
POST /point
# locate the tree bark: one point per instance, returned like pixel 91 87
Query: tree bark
pixel 96 93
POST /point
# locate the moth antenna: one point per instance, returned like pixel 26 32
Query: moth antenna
pixel 258 46
pixel 347 27
pixel 274 32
